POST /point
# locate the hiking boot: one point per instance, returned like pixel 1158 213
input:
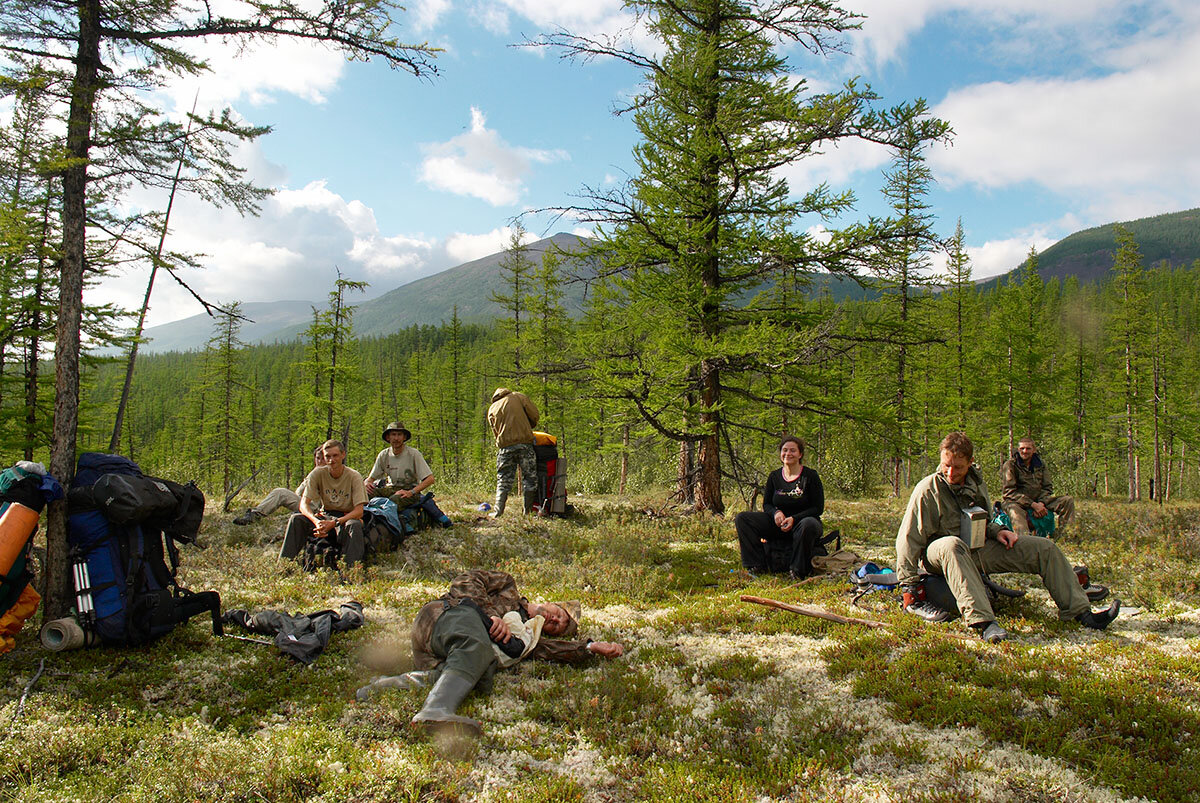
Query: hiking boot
pixel 1094 592
pixel 1098 620
pixel 991 632
pixel 445 523
pixel 929 612
pixel 249 517
pixel 444 699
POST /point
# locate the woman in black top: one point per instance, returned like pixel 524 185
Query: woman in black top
pixel 785 534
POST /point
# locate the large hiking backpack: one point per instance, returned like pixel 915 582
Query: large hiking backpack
pixel 125 591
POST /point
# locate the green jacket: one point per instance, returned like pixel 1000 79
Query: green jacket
pixel 1026 484
pixel 935 511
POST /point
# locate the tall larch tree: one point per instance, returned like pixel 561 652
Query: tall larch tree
pixel 707 219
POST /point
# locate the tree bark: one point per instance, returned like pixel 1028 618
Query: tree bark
pixel 70 302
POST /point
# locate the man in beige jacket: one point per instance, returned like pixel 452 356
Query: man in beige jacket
pixel 512 417
pixel 929 539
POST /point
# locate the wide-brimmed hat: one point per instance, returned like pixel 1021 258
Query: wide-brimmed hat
pixel 396 426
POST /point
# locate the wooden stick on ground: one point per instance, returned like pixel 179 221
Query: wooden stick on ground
pixel 846 620
pixel 819 614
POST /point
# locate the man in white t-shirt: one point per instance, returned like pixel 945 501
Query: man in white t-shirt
pixel 401 474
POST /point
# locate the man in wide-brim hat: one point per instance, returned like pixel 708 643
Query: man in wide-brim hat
pixel 401 473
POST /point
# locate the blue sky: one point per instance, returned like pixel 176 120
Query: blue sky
pixel 1066 114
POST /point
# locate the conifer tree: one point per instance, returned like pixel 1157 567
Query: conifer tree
pixel 1129 329
pixel 107 55
pixel 707 219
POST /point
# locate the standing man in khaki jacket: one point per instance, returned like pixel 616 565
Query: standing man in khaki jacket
pixel 1027 488
pixel 512 417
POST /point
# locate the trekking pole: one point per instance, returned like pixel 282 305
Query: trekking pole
pixel 268 642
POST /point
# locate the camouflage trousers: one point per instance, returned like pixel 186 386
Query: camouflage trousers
pixel 508 458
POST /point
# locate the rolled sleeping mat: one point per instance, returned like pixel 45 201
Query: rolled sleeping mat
pixel 65 634
pixel 17 524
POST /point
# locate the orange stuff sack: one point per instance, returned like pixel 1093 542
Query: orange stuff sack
pixel 11 622
pixel 17 524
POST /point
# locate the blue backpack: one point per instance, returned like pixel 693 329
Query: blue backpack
pixel 125 592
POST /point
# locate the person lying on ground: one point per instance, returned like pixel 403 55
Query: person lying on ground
pixel 278 498
pixel 453 642
pixel 331 507
pixel 401 474
pixel 929 539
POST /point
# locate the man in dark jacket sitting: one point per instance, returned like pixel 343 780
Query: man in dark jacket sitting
pixel 1028 490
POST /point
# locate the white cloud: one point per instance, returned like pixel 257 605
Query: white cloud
pixel 482 165
pixel 1102 139
pixel 838 163
pixel 467 247
pixel 1000 256
pixel 889 24
pixel 427 13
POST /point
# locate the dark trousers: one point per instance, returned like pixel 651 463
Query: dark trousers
pixel 350 539
pixel 791 551
pixel 460 639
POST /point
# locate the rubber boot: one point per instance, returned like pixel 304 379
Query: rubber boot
pixel 444 699
pixel 418 679
pixel 498 508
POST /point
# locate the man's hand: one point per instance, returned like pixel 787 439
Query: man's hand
pixel 499 631
pixel 370 484
pixel 406 493
pixel 606 649
pixel 1039 509
pixel 1007 537
pixel 326 526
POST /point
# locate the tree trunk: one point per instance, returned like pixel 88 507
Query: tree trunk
pixel 624 459
pixel 709 485
pixel 70 302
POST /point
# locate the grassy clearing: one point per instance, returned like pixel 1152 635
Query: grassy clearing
pixel 715 700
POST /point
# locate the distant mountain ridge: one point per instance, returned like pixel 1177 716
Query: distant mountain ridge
pixel 1087 254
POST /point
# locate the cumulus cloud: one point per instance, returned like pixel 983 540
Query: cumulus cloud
pixel 889 25
pixel 1106 138
pixel 480 164
pixel 466 247
pixel 425 14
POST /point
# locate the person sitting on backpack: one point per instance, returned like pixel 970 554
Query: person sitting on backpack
pixel 928 538
pixel 790 521
pixel 279 497
pixel 331 507
pixel 401 474
pixel 1028 491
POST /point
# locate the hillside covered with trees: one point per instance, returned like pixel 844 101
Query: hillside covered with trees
pixel 1104 376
